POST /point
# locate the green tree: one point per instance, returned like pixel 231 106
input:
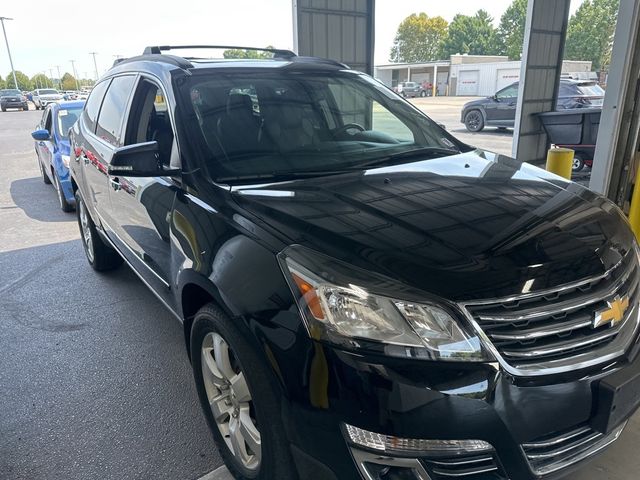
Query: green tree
pixel 510 34
pixel 473 35
pixel 2 83
pixel 418 38
pixel 590 32
pixel 40 80
pixel 68 82
pixel 240 53
pixel 23 81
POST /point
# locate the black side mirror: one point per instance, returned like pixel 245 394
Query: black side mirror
pixel 495 98
pixel 139 160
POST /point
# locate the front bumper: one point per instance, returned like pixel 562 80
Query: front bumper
pixel 526 422
pixel 20 105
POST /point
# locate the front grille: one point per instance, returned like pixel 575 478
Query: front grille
pixel 554 329
pixel 555 452
pixel 477 467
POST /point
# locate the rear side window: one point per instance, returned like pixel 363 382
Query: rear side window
pixel 92 107
pixel 113 109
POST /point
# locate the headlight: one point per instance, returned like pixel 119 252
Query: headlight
pixel 65 160
pixel 338 305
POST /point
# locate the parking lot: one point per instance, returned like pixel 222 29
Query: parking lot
pixel 95 379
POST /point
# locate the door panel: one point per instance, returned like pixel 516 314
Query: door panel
pixel 141 207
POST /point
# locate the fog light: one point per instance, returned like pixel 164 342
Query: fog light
pixel 380 467
pixel 390 444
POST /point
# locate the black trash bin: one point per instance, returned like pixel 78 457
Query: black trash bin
pixel 575 128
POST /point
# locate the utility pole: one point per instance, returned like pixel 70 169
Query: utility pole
pixel 75 74
pixel 94 63
pixel 13 70
pixel 59 77
pixel 51 73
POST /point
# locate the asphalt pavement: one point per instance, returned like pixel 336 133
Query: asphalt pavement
pixel 94 379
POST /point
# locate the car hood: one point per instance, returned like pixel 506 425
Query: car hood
pixel 19 97
pixel 50 97
pixel 475 103
pixel 470 226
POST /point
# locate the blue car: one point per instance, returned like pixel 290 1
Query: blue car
pixel 52 148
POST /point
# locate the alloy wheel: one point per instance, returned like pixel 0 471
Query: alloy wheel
pixel 230 400
pixel 59 191
pixel 87 237
pixel 473 120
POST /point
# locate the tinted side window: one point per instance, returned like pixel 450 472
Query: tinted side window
pixel 113 109
pixel 509 92
pixel 92 107
pixel 47 121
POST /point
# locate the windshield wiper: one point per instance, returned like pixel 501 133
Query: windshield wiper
pixel 281 176
pixel 424 152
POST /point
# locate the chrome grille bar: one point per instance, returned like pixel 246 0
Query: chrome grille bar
pixel 553 331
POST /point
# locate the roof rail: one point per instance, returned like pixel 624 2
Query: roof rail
pixel 277 52
pixel 170 59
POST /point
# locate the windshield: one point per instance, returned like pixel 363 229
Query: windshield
pixel 591 90
pixel 9 92
pixel 66 118
pixel 48 91
pixel 266 124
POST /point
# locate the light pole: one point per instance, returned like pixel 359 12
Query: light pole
pixel 95 65
pixel 51 73
pixel 75 75
pixel 59 77
pixel 13 71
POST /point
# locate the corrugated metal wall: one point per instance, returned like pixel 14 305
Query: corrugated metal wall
pixel 487 77
pixel 342 30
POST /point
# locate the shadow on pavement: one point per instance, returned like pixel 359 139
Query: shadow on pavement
pixel 38 201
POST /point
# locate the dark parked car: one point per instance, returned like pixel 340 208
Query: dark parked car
pixel 12 98
pixel 500 109
pixel 52 148
pixel 362 295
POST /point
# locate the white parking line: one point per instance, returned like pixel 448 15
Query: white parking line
pixel 220 473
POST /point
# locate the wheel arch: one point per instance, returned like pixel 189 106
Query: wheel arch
pixel 195 291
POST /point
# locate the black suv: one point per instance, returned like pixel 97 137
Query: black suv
pixel 12 98
pixel 363 295
pixel 499 110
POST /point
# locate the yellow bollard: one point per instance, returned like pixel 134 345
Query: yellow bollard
pixel 560 161
pixel 634 209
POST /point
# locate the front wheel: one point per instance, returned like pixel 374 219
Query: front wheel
pixel 423 93
pixel 62 200
pixel 45 177
pixel 100 256
pixel 474 121
pixel 578 163
pixel 239 399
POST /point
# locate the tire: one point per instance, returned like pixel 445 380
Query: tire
pixel 578 164
pixel 45 177
pixel 474 121
pixel 216 340
pixel 64 205
pixel 26 109
pixel 100 256
pixel 423 93
pixel 4 109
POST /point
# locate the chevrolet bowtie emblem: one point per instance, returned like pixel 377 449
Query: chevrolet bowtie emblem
pixel 613 314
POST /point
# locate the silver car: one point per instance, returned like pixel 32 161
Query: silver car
pixel 44 96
